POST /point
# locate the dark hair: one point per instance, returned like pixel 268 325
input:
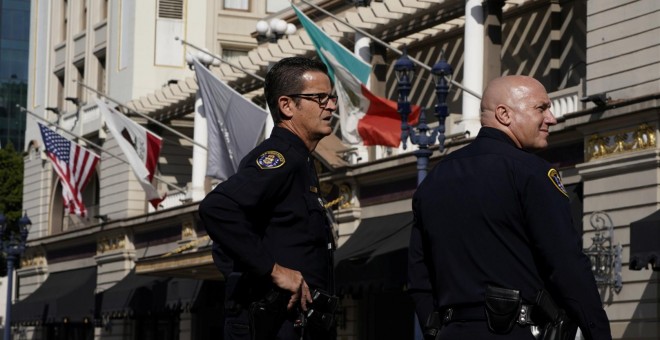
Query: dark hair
pixel 285 77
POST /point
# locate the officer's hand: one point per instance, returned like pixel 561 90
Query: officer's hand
pixel 292 281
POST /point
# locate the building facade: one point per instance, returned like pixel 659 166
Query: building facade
pixel 599 61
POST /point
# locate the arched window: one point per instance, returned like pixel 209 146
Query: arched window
pixel 61 220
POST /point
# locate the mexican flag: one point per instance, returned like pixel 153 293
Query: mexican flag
pixel 364 117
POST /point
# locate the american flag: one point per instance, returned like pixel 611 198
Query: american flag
pixel 73 164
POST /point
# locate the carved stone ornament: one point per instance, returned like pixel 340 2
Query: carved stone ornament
pixel 36 259
pixel 599 146
pixel 188 230
pixel 111 242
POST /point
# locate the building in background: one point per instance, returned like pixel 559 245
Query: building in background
pixel 14 48
pixel 597 59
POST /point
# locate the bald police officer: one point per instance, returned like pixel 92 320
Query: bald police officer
pixel 492 221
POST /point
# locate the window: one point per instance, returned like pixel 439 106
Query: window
pixel 273 6
pixel 232 55
pixel 83 15
pixel 170 9
pixel 100 75
pixel 65 19
pixel 60 89
pixel 80 78
pixel 242 5
pixel 104 10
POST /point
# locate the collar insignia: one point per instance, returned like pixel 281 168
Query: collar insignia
pixel 556 180
pixel 270 160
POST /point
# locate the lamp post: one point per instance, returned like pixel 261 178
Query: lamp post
pixel 203 57
pixel 441 71
pixel 276 29
pixel 605 257
pixel 13 245
pixel 424 136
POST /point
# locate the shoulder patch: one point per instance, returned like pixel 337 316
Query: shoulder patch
pixel 270 160
pixel 556 180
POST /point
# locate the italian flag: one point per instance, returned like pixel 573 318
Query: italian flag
pixel 364 117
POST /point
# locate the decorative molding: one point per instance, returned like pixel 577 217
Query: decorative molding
pixel 623 141
pixel 111 243
pixel 188 230
pixel 339 195
pixel 34 259
pixel 346 193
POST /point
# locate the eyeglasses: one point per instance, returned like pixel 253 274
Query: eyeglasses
pixel 321 98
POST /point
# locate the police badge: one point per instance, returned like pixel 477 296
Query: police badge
pixel 556 180
pixel 270 160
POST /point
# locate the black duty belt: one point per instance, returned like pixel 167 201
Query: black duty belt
pixel 478 313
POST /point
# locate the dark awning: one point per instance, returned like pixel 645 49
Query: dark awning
pixel 137 295
pixel 133 295
pixel 68 294
pixel 375 256
pixel 182 293
pixel 645 242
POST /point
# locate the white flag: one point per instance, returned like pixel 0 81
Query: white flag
pixel 234 123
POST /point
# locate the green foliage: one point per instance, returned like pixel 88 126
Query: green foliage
pixel 11 183
pixel 11 192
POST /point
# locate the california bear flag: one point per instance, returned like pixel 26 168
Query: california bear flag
pixel 140 146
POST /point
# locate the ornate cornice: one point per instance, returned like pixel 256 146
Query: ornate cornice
pixel 622 141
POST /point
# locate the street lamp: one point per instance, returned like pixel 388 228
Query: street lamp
pixel 204 57
pixel 604 256
pixel 276 29
pixel 424 136
pixel 441 71
pixel 13 245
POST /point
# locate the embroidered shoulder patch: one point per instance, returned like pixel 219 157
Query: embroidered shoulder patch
pixel 270 160
pixel 556 180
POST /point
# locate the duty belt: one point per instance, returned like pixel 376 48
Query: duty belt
pixel 478 313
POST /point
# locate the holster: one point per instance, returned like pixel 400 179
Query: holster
pixel 558 325
pixel 502 308
pixel 433 326
pixel 267 315
pixel 321 312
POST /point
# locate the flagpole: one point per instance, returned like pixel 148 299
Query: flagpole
pixel 181 190
pixel 184 42
pixel 228 63
pixel 142 115
pixel 394 49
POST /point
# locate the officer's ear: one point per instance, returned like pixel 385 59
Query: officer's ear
pixel 503 114
pixel 286 105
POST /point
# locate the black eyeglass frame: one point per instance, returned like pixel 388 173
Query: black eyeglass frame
pixel 316 97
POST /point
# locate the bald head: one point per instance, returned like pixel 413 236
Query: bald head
pixel 520 107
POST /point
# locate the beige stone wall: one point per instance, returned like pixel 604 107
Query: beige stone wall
pixel 623 54
pixel 627 187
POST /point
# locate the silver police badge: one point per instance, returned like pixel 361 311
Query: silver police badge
pixel 270 160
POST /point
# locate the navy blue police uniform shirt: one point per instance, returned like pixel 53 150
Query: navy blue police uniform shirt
pixel 493 214
pixel 271 211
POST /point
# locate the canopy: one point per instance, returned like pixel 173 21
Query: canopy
pixel 645 242
pixel 137 295
pixel 375 256
pixel 64 295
